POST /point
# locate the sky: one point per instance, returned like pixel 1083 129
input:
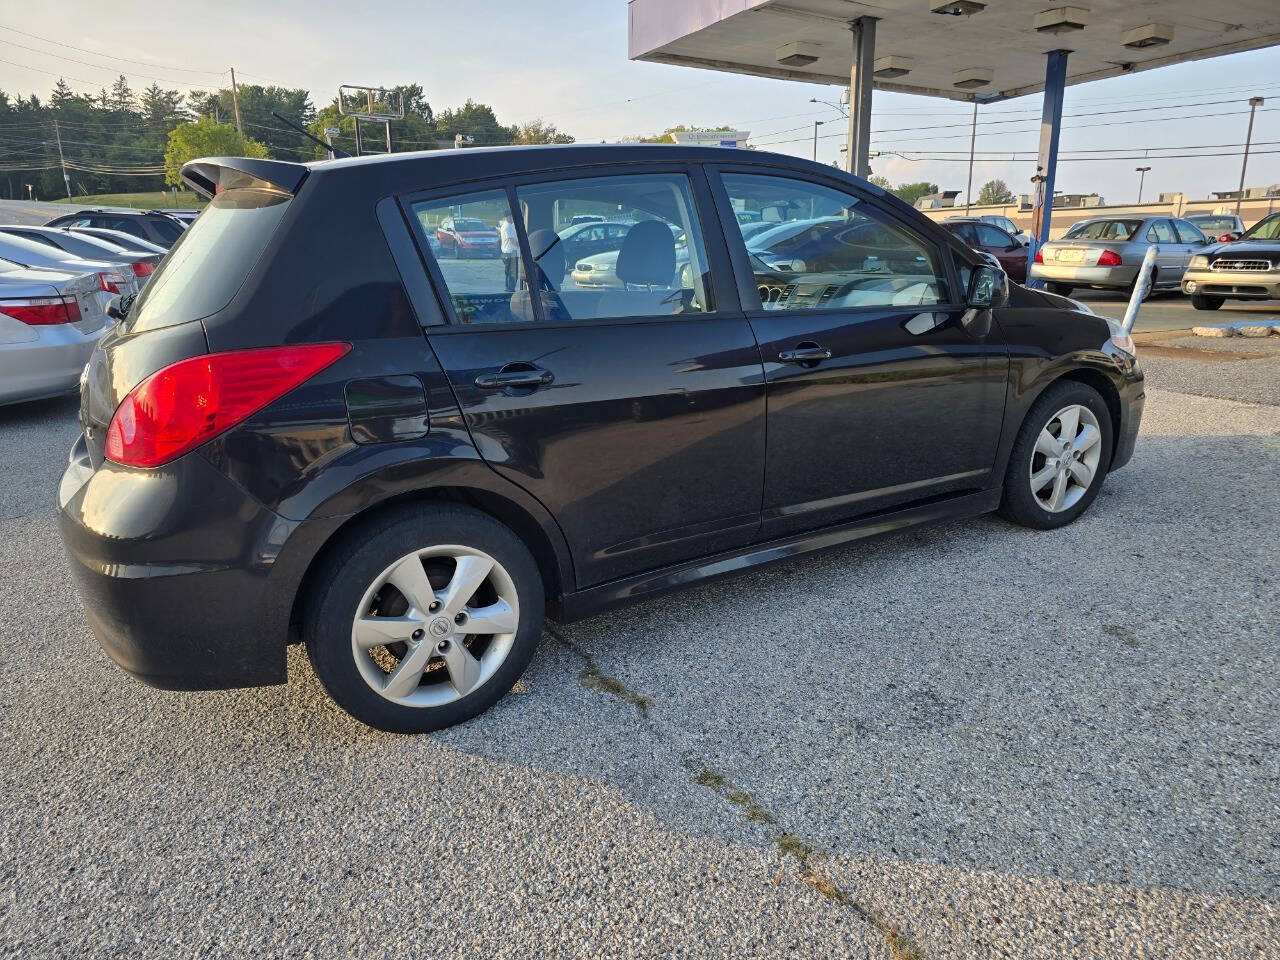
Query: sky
pixel 567 62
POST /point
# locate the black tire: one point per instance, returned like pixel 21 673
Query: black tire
pixel 1202 302
pixel 355 564
pixel 1061 289
pixel 1019 504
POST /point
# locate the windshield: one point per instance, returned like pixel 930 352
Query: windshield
pixel 1266 229
pixel 1105 230
pixel 1213 224
pixel 211 259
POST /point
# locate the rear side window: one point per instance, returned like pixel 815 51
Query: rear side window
pixel 210 261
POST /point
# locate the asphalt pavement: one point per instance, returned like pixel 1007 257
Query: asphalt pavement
pixel 974 740
pixel 1172 311
pixel 34 212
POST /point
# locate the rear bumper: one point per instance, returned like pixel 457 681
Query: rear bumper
pixel 1237 284
pixel 45 362
pixel 1120 276
pixel 187 581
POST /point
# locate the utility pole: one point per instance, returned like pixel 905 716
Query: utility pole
pixel 1142 176
pixel 816 125
pixel 65 179
pixel 1254 104
pixel 235 102
pixel 973 135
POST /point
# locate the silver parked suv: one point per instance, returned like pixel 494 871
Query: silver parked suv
pixel 1245 269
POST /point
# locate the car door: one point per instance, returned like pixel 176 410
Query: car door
pixel 1192 239
pixel 635 415
pixel 1012 257
pixel 1171 253
pixel 881 392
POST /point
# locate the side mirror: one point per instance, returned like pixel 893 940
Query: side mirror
pixel 118 307
pixel 988 287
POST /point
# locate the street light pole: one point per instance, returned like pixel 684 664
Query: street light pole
pixel 1142 176
pixel 1254 104
pixel 816 125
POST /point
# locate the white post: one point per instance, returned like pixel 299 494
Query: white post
pixel 1141 287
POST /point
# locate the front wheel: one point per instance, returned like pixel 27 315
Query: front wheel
pixel 1060 456
pixel 424 618
pixel 1202 302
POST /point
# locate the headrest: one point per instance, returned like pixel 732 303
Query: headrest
pixel 548 254
pixel 648 255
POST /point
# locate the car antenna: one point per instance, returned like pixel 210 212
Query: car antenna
pixel 310 136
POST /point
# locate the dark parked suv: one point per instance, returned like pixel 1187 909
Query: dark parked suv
pixel 310 427
pixel 154 227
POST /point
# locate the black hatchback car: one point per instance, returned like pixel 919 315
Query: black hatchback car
pixel 311 427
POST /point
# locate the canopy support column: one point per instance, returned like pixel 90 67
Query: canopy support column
pixel 857 157
pixel 1055 85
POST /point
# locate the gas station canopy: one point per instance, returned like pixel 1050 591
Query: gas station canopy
pixel 987 50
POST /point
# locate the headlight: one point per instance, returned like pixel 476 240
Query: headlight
pixel 583 268
pixel 1198 262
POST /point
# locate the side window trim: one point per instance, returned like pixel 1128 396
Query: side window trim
pixel 744 275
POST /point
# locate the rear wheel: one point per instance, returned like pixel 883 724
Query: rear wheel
pixel 1059 458
pixel 425 618
pixel 1155 273
pixel 1202 302
pixel 1061 289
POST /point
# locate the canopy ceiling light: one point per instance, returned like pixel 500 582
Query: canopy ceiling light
pixel 886 68
pixel 1148 35
pixel 1061 19
pixel 960 8
pixel 798 53
pixel 971 78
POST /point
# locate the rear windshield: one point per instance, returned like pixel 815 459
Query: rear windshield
pixel 1214 223
pixel 1105 230
pixel 205 268
pixel 471 226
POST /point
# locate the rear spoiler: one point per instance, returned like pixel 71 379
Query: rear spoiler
pixel 206 175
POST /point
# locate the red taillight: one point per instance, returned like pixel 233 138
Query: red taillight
pixel 1109 258
pixel 110 282
pixel 143 269
pixel 1039 256
pixel 1225 238
pixel 42 311
pixel 190 402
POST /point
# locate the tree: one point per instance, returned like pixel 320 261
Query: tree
pixel 540 131
pixel 995 191
pixel 205 138
pixel 474 120
pixel 911 192
pixel 879 181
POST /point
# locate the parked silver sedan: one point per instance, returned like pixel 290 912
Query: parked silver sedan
pixel 1106 252
pixel 113 280
pixel 50 321
pixel 77 245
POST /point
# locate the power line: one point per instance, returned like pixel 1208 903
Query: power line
pixel 107 56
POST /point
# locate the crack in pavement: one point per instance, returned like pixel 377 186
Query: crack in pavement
pixel 807 858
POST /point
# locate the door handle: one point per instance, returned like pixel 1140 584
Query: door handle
pixel 805 352
pixel 515 375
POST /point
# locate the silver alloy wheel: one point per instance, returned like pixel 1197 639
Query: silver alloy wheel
pixel 435 643
pixel 1065 459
